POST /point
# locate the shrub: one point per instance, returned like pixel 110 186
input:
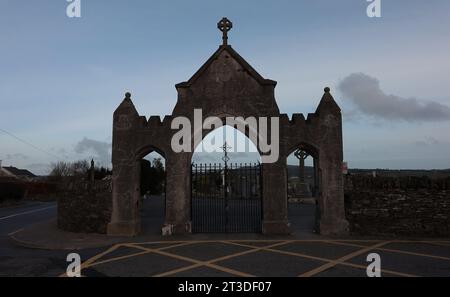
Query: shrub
pixel 42 191
pixel 11 189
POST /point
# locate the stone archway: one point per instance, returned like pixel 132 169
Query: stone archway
pixel 226 192
pixel 225 85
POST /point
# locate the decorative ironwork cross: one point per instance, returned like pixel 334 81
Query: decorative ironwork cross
pixel 225 149
pixel 225 25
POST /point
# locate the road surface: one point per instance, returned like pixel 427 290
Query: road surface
pixel 218 255
pixel 20 261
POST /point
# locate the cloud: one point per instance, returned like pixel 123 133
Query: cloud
pixel 365 93
pixel 39 168
pixel 421 143
pixel 60 151
pixel 427 142
pixel 16 156
pixel 100 148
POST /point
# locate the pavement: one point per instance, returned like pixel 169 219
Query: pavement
pixel 31 245
pixel 17 260
pixel 46 235
pixel 270 258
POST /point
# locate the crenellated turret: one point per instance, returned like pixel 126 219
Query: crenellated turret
pixel 127 107
pixel 126 115
pixel 327 104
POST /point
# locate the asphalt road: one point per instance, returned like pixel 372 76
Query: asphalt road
pixel 303 254
pixel 17 217
pixel 20 261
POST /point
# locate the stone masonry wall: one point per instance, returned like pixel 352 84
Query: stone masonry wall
pixel 398 206
pixel 85 207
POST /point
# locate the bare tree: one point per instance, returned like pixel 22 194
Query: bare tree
pixel 65 169
pixel 60 169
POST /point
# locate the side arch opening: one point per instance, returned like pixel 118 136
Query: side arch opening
pixel 303 188
pixel 151 165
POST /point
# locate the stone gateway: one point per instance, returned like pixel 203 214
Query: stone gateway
pixel 226 86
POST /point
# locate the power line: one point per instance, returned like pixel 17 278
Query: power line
pixel 30 144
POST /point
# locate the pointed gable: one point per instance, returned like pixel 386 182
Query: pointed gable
pixel 228 52
pixel 226 85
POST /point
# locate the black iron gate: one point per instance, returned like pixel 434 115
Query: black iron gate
pixel 226 198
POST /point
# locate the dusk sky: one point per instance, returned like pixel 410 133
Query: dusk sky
pixel 61 78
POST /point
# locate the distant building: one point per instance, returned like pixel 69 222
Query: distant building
pixel 11 171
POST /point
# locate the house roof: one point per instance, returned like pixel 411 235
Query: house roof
pixel 237 57
pixel 19 172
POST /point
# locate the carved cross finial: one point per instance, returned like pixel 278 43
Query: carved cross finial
pixel 225 25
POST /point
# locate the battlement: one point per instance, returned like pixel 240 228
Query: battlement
pixel 155 122
pixel 298 120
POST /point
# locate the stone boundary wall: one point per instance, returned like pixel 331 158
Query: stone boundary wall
pixel 85 207
pixel 374 206
pixel 398 206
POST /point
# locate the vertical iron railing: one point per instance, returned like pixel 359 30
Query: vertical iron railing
pixel 226 199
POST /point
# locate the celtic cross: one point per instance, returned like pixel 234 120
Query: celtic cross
pixel 225 25
pixel 301 155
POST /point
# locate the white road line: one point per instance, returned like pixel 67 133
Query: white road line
pixel 14 232
pixel 26 212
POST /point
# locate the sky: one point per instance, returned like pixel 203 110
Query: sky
pixel 61 78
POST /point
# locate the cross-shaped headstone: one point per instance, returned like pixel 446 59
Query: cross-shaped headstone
pixel 225 25
pixel 301 156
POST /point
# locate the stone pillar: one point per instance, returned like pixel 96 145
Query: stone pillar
pixel 331 202
pixel 274 187
pixel 178 194
pixel 125 216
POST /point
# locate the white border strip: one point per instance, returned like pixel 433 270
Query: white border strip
pixel 26 212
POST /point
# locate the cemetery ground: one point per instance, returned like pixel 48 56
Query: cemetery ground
pixel 30 245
